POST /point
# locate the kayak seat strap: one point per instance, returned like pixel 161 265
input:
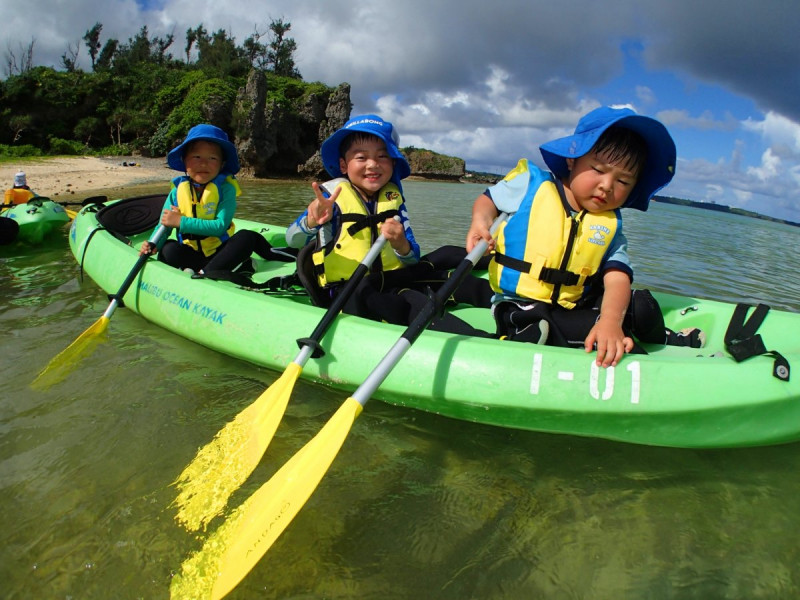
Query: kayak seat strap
pixel 304 276
pixel 742 341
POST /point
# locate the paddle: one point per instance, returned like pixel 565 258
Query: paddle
pixel 86 202
pixel 239 543
pixel 64 362
pixel 225 463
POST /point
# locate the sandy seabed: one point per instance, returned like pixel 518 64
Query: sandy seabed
pixel 66 178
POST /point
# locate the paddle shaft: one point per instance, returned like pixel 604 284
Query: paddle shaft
pixel 91 200
pixel 310 344
pixel 117 298
pixel 422 320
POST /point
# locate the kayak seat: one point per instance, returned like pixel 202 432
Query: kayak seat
pixel 308 277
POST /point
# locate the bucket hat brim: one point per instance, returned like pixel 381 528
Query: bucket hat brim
pixel 208 133
pixel 373 125
pixel 658 169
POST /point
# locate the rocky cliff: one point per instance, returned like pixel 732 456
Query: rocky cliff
pixel 279 134
pixel 429 164
pixel 278 131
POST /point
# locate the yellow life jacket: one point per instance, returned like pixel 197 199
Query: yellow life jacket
pixel 204 207
pixel 18 196
pixel 543 252
pixel 357 231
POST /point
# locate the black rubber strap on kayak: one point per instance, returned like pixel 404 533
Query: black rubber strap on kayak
pixel 86 247
pixel 742 341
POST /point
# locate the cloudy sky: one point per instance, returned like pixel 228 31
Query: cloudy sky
pixel 489 81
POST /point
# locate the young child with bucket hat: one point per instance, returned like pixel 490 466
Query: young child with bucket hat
pixel 560 270
pixel 201 205
pixel 364 200
pixel 366 161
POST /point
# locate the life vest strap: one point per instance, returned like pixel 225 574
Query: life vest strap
pixel 547 274
pixel 360 222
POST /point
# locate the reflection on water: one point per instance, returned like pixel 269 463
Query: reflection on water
pixel 415 505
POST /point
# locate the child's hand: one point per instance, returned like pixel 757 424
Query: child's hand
pixel 171 217
pixel 395 234
pixel 147 248
pixel 610 341
pixel 320 211
pixel 479 231
pixel 484 212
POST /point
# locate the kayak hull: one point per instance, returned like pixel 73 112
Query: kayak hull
pixel 677 397
pixel 36 219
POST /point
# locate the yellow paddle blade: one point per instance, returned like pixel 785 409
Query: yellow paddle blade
pixel 239 543
pixel 71 213
pixel 220 467
pixel 66 360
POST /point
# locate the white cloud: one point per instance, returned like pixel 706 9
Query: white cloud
pixel 781 133
pixel 770 167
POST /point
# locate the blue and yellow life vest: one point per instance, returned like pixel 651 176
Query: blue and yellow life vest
pixel 204 207
pixel 545 253
pixel 357 231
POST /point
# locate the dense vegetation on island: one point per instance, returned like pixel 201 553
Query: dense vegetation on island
pixel 137 98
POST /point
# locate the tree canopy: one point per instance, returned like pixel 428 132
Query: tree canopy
pixel 138 96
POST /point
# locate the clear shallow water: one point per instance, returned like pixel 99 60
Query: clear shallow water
pixel 415 505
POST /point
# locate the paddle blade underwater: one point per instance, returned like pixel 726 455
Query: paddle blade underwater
pixel 65 361
pixel 232 550
pixel 225 462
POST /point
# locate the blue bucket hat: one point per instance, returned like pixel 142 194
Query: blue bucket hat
pixel 373 125
pixel 208 133
pixel 657 171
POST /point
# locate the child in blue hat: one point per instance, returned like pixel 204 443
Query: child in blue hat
pixel 360 203
pixel 201 206
pixel 560 270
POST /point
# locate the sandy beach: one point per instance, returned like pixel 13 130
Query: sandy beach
pixel 66 178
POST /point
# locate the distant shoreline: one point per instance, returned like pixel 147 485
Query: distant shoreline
pixel 721 208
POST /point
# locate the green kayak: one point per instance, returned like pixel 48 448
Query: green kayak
pixel 672 396
pixel 36 218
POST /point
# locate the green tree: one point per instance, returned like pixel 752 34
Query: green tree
pixel 255 52
pixel 86 128
pixel 281 50
pixel 18 124
pixel 219 54
pixel 92 39
pixel 192 36
pixel 106 58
